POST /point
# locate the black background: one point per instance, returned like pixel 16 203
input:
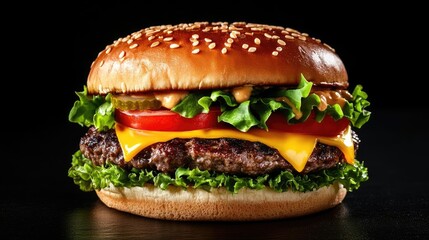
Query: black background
pixel 382 47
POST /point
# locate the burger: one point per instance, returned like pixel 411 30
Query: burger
pixel 218 121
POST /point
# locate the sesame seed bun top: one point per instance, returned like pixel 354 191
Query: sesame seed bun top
pixel 204 55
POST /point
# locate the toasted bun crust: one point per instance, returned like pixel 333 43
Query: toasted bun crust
pixel 219 205
pixel 205 55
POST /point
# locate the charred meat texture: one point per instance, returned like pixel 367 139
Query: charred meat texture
pixel 224 155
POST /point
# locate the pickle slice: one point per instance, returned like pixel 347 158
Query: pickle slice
pixel 135 102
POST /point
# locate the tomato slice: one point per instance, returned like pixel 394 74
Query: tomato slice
pixel 327 127
pixel 166 120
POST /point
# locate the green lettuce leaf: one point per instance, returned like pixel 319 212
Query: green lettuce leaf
pixel 359 115
pixel 185 110
pixel 89 177
pixel 240 117
pixel 256 111
pixel 93 111
pixel 295 96
pixel 225 99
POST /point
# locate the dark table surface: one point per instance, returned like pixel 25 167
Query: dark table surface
pixel 393 204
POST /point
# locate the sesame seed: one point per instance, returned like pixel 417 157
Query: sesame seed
pixel 150 32
pixel 101 63
pixel 195 51
pixel 291 30
pixel 137 35
pixel 259 34
pixel 174 45
pixel 212 45
pixel 154 44
pixel 281 42
pixel 236 26
pixel 332 49
pixel 252 49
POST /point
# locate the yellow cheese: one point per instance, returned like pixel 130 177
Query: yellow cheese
pixel 295 148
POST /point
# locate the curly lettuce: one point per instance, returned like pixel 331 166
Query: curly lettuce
pixel 90 177
pixel 296 106
pixel 256 111
pixel 95 111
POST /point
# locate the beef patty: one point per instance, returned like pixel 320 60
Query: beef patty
pixel 226 155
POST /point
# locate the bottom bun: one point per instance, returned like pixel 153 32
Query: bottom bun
pixel 219 204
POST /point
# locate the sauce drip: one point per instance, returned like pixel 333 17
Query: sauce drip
pixel 329 97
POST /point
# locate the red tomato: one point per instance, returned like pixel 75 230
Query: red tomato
pixel 328 126
pixel 166 120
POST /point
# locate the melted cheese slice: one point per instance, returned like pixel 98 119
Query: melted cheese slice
pixel 295 148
